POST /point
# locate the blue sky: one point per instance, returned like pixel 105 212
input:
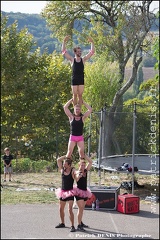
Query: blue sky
pixel 35 6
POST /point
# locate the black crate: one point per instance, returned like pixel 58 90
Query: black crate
pixel 107 197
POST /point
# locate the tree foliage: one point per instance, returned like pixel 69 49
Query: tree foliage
pixel 120 30
pixel 35 86
pixel 148 110
pixel 101 83
pixel 34 89
pixel 36 26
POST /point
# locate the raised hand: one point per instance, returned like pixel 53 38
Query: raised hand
pixel 90 39
pixel 66 38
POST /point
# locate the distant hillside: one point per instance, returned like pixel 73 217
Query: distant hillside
pixel 148 73
pixel 38 28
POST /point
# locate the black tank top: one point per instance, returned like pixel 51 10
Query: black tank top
pixel 78 73
pixel 76 127
pixel 82 183
pixel 67 181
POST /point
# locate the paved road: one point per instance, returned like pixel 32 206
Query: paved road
pixel 25 221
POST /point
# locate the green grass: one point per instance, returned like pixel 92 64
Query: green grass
pixel 11 196
pixel 45 182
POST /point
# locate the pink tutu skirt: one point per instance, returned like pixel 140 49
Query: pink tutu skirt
pixel 64 193
pixel 83 193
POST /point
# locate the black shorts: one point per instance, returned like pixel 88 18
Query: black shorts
pixel 80 198
pixel 77 81
pixel 67 199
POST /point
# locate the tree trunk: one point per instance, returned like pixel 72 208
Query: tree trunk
pixel 113 114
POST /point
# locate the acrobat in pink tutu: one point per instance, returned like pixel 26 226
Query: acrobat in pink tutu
pixel 83 193
pixel 65 193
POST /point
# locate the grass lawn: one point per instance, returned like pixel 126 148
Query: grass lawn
pixel 39 187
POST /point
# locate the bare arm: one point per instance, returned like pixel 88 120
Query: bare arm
pixel 60 162
pixel 10 163
pixel 64 51
pixel 86 114
pixel 91 52
pixel 66 109
pixel 5 162
pixel 73 173
pixel 77 175
pixel 89 165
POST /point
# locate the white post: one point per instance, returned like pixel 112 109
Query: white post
pixel 89 148
pixel 133 145
pixel 100 148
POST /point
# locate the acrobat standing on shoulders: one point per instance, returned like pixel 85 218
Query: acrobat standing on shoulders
pixel 76 120
pixel 77 64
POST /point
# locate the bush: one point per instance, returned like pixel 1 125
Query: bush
pixel 28 165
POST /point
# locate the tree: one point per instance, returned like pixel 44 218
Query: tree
pixel 138 80
pixel 120 30
pixel 148 110
pixel 34 88
pixel 14 54
pixel 100 83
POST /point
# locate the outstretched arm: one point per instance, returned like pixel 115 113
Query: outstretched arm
pixel 66 109
pixel 64 50
pixel 91 52
pixel 86 114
